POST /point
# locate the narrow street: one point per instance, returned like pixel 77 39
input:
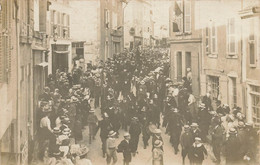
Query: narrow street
pixel 144 156
pixel 129 82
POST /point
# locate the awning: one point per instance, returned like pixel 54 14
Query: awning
pixel 61 52
pixel 249 12
pixel 43 64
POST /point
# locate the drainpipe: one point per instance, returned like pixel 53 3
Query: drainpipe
pixel 17 25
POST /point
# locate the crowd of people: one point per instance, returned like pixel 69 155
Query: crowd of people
pixel 135 94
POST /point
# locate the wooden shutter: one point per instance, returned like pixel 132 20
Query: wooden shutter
pixel 187 19
pixel 213 38
pixel 179 18
pixel 252 45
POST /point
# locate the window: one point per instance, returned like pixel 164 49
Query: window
pixel 213 39
pixel 106 50
pixel 255 104
pixel 114 26
pixel 213 86
pixel 106 18
pixel 233 92
pixel 68 26
pixel 187 19
pixel 179 16
pixel 252 46
pixel 207 37
pixel 52 22
pixel 58 24
pixel 231 37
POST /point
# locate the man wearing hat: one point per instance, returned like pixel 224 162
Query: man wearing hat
pixel 157 153
pixel 204 120
pixel 45 130
pixel 53 142
pixel 197 152
pixel 134 131
pixel 186 141
pixel 232 148
pixel 92 124
pixel 124 147
pixel 157 136
pixel 105 126
pixel 252 141
pixel 80 158
pixel 218 137
pixel 175 127
pixel 111 148
pixel 196 132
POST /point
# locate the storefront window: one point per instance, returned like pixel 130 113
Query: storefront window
pixel 255 104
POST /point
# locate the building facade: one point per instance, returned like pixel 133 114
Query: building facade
pixel 221 48
pixel 58 20
pixel 19 44
pixel 221 52
pixel 111 28
pixel 251 59
pixel 138 24
pixel 85 27
pixel 9 146
pixel 185 43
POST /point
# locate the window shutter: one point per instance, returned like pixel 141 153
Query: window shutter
pixel 207 38
pixel 213 38
pixel 251 41
pixel 187 18
pixel 68 24
pixel 179 17
pixel 1 47
pixel 231 36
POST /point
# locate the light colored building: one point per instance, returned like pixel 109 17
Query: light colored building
pixel 138 23
pixel 250 15
pixel 221 48
pixel 85 26
pixel 185 43
pixel 59 32
pixel 8 83
pixel 111 28
pixel 221 51
pixel 209 44
pixel 21 55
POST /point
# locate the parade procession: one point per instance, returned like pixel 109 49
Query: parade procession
pixel 129 82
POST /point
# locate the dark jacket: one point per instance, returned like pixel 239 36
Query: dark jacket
pixel 196 153
pixel 124 147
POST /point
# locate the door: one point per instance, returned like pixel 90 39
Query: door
pixel 179 66
pixel 187 60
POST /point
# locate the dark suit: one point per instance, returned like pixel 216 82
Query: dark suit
pixel 124 147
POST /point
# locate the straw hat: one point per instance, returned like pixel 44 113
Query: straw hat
pixel 92 111
pixel 157 131
pixel 197 139
pixel 232 131
pixel 158 143
pixel 194 125
pixel 126 134
pixel 111 133
pixel 56 130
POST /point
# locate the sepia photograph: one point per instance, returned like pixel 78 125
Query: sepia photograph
pixel 129 82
